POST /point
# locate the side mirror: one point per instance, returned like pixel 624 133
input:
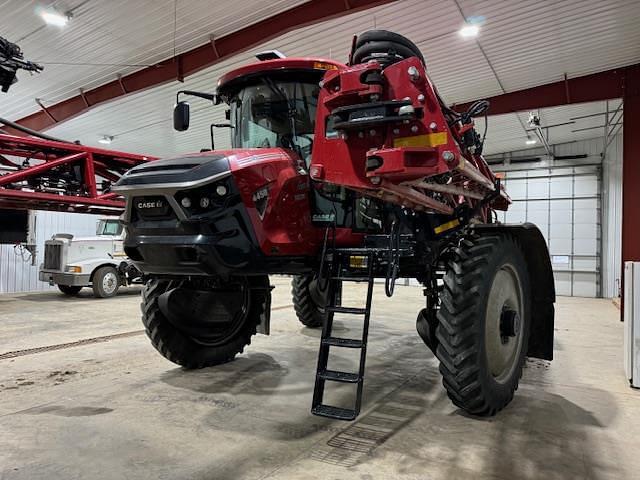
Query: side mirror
pixel 181 116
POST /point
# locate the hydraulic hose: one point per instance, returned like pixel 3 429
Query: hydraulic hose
pixel 33 133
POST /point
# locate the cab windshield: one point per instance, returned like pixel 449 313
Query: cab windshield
pixel 271 112
pixel 109 227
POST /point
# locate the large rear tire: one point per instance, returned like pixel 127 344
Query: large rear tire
pixel 308 301
pixel 181 336
pixel 483 323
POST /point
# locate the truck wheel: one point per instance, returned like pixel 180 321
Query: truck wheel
pixel 483 323
pixel 200 328
pixel 106 282
pixel 308 302
pixel 69 289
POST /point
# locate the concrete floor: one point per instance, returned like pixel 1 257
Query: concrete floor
pixel 114 409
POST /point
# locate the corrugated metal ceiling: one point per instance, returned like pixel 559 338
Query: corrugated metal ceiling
pixel 525 43
pixel 106 36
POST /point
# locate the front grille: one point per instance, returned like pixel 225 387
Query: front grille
pixel 53 256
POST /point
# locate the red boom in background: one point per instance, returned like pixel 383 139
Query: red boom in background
pixel 43 174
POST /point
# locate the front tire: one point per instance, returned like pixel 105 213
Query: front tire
pixel 308 301
pixel 191 343
pixel 483 323
pixel 106 282
pixel 69 289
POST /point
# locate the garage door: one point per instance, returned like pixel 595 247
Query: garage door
pixel 565 204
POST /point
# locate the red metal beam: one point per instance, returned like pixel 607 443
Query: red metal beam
pixel 197 59
pixel 631 171
pixel 71 200
pixel 589 88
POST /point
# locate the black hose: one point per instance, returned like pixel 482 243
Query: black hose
pixel 393 257
pixel 33 133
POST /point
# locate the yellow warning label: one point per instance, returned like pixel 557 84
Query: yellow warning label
pixel 357 261
pixel 324 66
pixel 446 226
pixel 427 140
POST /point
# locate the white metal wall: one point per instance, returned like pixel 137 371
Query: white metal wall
pixel 612 218
pixel 17 274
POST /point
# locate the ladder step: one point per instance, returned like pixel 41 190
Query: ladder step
pixel 342 342
pixel 334 412
pixel 352 310
pixel 336 376
pixel 351 279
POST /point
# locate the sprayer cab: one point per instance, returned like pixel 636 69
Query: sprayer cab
pixel 271 103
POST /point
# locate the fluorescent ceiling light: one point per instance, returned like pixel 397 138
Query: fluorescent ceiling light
pixel 469 31
pixel 106 140
pixel 531 141
pixel 51 17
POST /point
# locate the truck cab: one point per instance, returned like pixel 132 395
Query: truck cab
pixel 99 262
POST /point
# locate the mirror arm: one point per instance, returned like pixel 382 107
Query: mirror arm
pixel 207 96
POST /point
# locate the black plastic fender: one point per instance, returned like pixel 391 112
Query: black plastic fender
pixel 542 284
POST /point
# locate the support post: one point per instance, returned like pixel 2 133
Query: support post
pixel 90 176
pixel 631 172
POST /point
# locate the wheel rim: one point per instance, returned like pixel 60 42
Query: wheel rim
pixel 109 283
pixel 504 323
pixel 213 334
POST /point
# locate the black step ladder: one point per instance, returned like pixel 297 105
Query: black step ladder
pixel 328 341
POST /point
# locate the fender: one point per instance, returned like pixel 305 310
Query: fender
pixel 103 263
pixel 543 293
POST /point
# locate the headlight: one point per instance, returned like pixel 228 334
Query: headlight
pixel 73 269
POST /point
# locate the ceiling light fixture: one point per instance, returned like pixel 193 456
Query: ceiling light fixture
pixel 106 139
pixel 53 17
pixel 531 141
pixel 469 31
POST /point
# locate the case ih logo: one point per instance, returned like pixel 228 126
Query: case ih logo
pixel 151 204
pixel 152 207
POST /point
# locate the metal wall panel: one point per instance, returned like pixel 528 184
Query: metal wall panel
pixel 16 273
pixel 612 216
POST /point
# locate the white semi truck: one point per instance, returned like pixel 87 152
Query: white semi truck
pixel 99 262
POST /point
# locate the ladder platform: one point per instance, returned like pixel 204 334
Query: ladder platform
pixel 334 412
pixel 336 376
pixel 350 310
pixel 342 342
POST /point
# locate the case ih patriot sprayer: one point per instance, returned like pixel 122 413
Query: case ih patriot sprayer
pixel 341 173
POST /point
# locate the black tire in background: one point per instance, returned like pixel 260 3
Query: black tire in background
pixel 180 345
pixel 69 289
pixel 308 302
pixel 106 282
pixel 385 40
pixel 482 343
